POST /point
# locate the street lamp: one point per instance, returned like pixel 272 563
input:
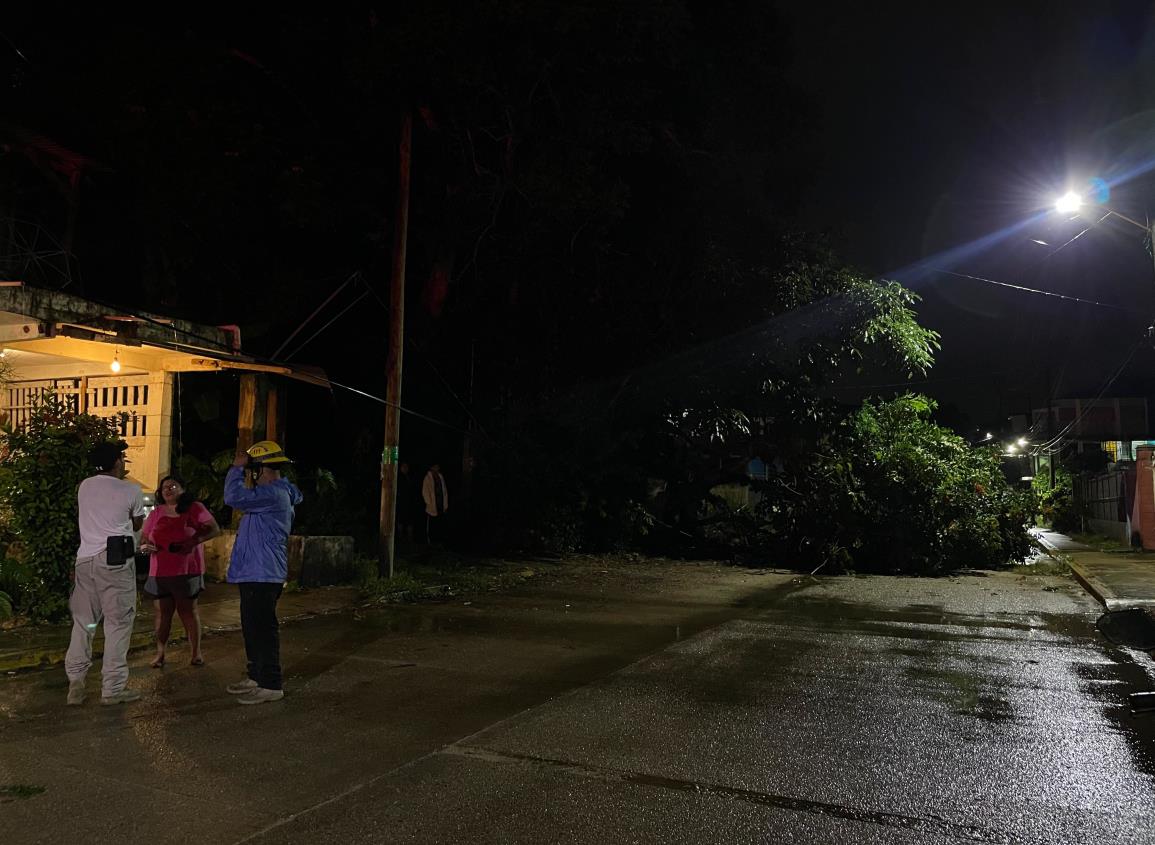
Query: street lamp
pixel 1072 201
pixel 1068 203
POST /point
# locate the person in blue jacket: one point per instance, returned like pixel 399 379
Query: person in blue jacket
pixel 260 563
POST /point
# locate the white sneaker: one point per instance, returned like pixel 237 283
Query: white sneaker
pixel 260 695
pixel 122 697
pixel 241 687
pixel 76 693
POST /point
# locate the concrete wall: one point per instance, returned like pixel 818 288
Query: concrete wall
pixel 316 561
pixel 313 561
pixel 217 553
pixel 1143 512
pixel 1120 531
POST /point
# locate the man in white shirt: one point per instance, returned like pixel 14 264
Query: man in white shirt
pixel 108 507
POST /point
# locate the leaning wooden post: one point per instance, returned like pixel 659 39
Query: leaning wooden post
pixel 389 454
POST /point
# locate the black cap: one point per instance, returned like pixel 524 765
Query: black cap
pixel 105 455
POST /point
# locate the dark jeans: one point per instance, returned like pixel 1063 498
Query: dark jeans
pixel 262 637
pixel 435 529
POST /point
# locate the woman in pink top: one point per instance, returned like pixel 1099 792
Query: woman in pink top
pixel 173 534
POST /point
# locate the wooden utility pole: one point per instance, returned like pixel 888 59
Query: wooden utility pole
pixel 247 411
pixel 271 415
pixel 389 454
pixel 246 422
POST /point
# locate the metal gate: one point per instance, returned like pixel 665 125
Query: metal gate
pixel 1106 500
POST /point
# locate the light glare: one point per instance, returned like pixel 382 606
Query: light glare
pixel 1068 203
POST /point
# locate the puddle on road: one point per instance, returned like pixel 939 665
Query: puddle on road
pixel 627 631
pixel 1105 683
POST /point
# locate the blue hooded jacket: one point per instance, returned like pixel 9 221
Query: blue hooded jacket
pixel 260 553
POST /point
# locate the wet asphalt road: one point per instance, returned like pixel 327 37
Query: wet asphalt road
pixel 683 704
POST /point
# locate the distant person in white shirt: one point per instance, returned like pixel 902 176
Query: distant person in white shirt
pixel 109 507
pixel 435 494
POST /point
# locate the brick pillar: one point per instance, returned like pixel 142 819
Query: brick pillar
pixel 1143 515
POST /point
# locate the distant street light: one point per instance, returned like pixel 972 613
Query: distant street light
pixel 1068 203
pixel 1023 441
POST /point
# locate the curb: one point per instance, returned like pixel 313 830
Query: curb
pixel 1103 593
pixel 1096 588
pixel 1099 590
pixel 44 657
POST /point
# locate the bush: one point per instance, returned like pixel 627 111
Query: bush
pixel 205 480
pixel 1057 504
pixel 42 467
pixel 893 492
pixel 333 507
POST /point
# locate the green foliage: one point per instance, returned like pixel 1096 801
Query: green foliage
pixel 401 588
pixel 331 507
pixel 5 607
pixel 600 469
pixel 205 479
pixel 891 491
pixel 43 465
pixel 1057 504
pixel 21 790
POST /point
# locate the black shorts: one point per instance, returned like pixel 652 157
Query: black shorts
pixel 180 586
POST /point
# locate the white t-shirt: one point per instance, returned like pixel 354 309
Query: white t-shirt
pixel 107 506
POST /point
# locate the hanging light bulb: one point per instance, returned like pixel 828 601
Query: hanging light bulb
pixel 115 365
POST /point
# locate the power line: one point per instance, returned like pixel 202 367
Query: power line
pixel 316 311
pixel 429 363
pixel 214 344
pixel 399 407
pixel 1026 289
pixel 1048 447
pixel 321 330
pixel 1066 244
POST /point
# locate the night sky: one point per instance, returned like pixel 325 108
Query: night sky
pixel 941 127
pixel 926 129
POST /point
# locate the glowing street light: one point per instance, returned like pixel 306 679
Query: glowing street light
pixel 1022 441
pixel 1068 203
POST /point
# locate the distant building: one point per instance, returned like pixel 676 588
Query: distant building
pixel 1116 425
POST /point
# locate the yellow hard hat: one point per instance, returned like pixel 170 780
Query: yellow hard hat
pixel 267 452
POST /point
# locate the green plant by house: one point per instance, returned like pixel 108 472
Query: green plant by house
pixel 42 466
pixel 206 478
pixel 1057 504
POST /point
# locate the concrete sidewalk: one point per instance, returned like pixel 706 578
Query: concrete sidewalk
pixel 45 645
pixel 1117 580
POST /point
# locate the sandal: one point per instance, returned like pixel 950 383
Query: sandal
pixel 158 663
pixel 197 661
